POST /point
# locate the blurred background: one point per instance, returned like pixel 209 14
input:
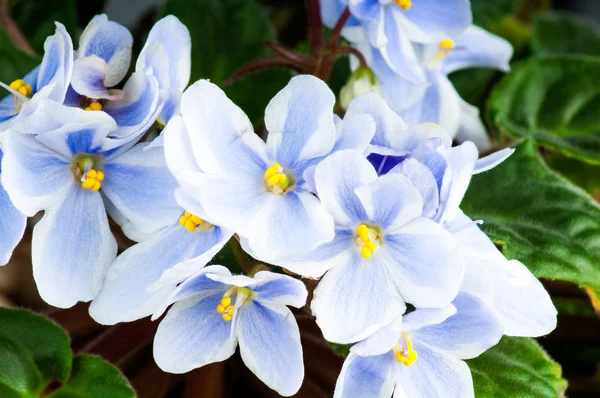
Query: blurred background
pixel 576 342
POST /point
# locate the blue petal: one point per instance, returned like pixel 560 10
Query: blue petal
pixel 111 42
pixel 467 334
pixel 471 128
pixel 193 334
pixel 270 345
pixel 176 41
pixel 140 186
pixel 477 48
pixel 422 178
pixel 492 160
pixel 139 108
pixel 331 10
pixel 72 247
pixel 336 179
pixel 33 175
pixel 272 288
pixel 12 226
pixel 128 279
pixel 371 15
pixel 300 121
pixel 367 377
pixel 435 374
pixel 88 78
pixel 435 20
pixel 57 65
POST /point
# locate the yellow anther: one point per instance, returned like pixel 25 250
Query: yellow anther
pixel 284 181
pixel 404 4
pixel 274 169
pixel 367 240
pixel 23 90
pixel 94 106
pixel 226 301
pixel 276 178
pixel 366 252
pixel 220 308
pixel 93 180
pixel 447 44
pixel 17 84
pixel 92 174
pixel 370 245
pixel 190 221
pixel 100 176
pixel 409 357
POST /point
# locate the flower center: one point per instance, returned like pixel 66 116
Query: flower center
pixel 22 88
pixel 94 106
pixel 404 4
pixel 445 47
pixel 91 178
pixel 276 179
pixel 225 308
pixel 367 239
pixel 192 222
pixel 405 354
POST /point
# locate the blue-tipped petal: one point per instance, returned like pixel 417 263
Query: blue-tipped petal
pixel 434 20
pixel 29 189
pixel 371 15
pixel 467 334
pixel 88 78
pixel 270 345
pixel 72 247
pixel 193 334
pixel 111 42
pixel 140 186
pixel 424 317
pixel 12 225
pixel 57 65
pixel 278 289
pixel 132 273
pixel 422 179
pixel 300 121
pixel 139 108
pixel 336 179
pixel 477 48
pixel 367 377
pixel 176 41
pixel 354 300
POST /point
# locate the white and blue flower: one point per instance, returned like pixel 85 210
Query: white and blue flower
pixel 69 166
pixel 50 80
pixel 442 173
pixel 12 223
pixel 215 311
pixel 257 189
pixel 421 354
pixel 384 253
pixel 438 101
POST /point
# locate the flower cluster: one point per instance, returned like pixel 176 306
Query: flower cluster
pixel 367 204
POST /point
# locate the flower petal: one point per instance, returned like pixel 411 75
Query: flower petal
pixel 382 341
pixel 422 179
pixel 391 201
pixel 424 262
pixel 492 160
pixel 434 374
pixel 469 333
pixel 140 186
pixel 270 345
pixel 193 334
pixel 277 289
pixel 128 279
pixel 57 65
pixel 300 121
pixel 111 42
pixel 354 300
pixel 88 78
pixel 176 40
pixel 72 247
pixel 471 127
pixel 424 317
pixel 371 15
pixel 434 20
pixel 367 377
pixel 12 225
pixel 336 178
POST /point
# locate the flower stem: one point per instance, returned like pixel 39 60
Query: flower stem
pixel 240 256
pixel 315 25
pixel 12 29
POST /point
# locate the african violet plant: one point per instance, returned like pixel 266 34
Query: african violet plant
pixel 387 214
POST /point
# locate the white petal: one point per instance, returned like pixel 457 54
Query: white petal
pixel 367 377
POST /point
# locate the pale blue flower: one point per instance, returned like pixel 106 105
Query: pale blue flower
pixel 438 101
pixel 168 53
pixel 49 80
pixel 384 252
pixel 390 26
pixel 421 354
pixel 257 189
pixel 442 173
pixel 12 224
pixel 69 166
pixel 215 311
pixel 102 62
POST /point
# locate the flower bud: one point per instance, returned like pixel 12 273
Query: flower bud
pixel 362 81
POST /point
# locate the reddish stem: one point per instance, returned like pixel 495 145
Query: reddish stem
pixel 300 59
pixel 315 24
pixel 336 33
pixel 12 30
pixel 259 64
pixel 352 51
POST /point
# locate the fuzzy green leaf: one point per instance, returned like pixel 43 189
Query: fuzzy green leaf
pixel 562 33
pixel 517 367
pixel 554 100
pixel 19 377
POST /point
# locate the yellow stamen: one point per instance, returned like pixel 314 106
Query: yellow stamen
pixel 447 44
pixel 22 88
pixel 404 4
pixel 190 221
pixel 94 106
pixel 367 239
pixel 406 358
pixel 93 180
pixel 276 178
pixel 225 308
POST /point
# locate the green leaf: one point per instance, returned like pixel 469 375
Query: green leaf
pixel 472 84
pixel 488 13
pixel 227 35
pixel 562 33
pixel 585 175
pixel 516 367
pixel 36 19
pixel 15 62
pixel 93 377
pixel 538 217
pixel 554 100
pixel 47 343
pixel 19 377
